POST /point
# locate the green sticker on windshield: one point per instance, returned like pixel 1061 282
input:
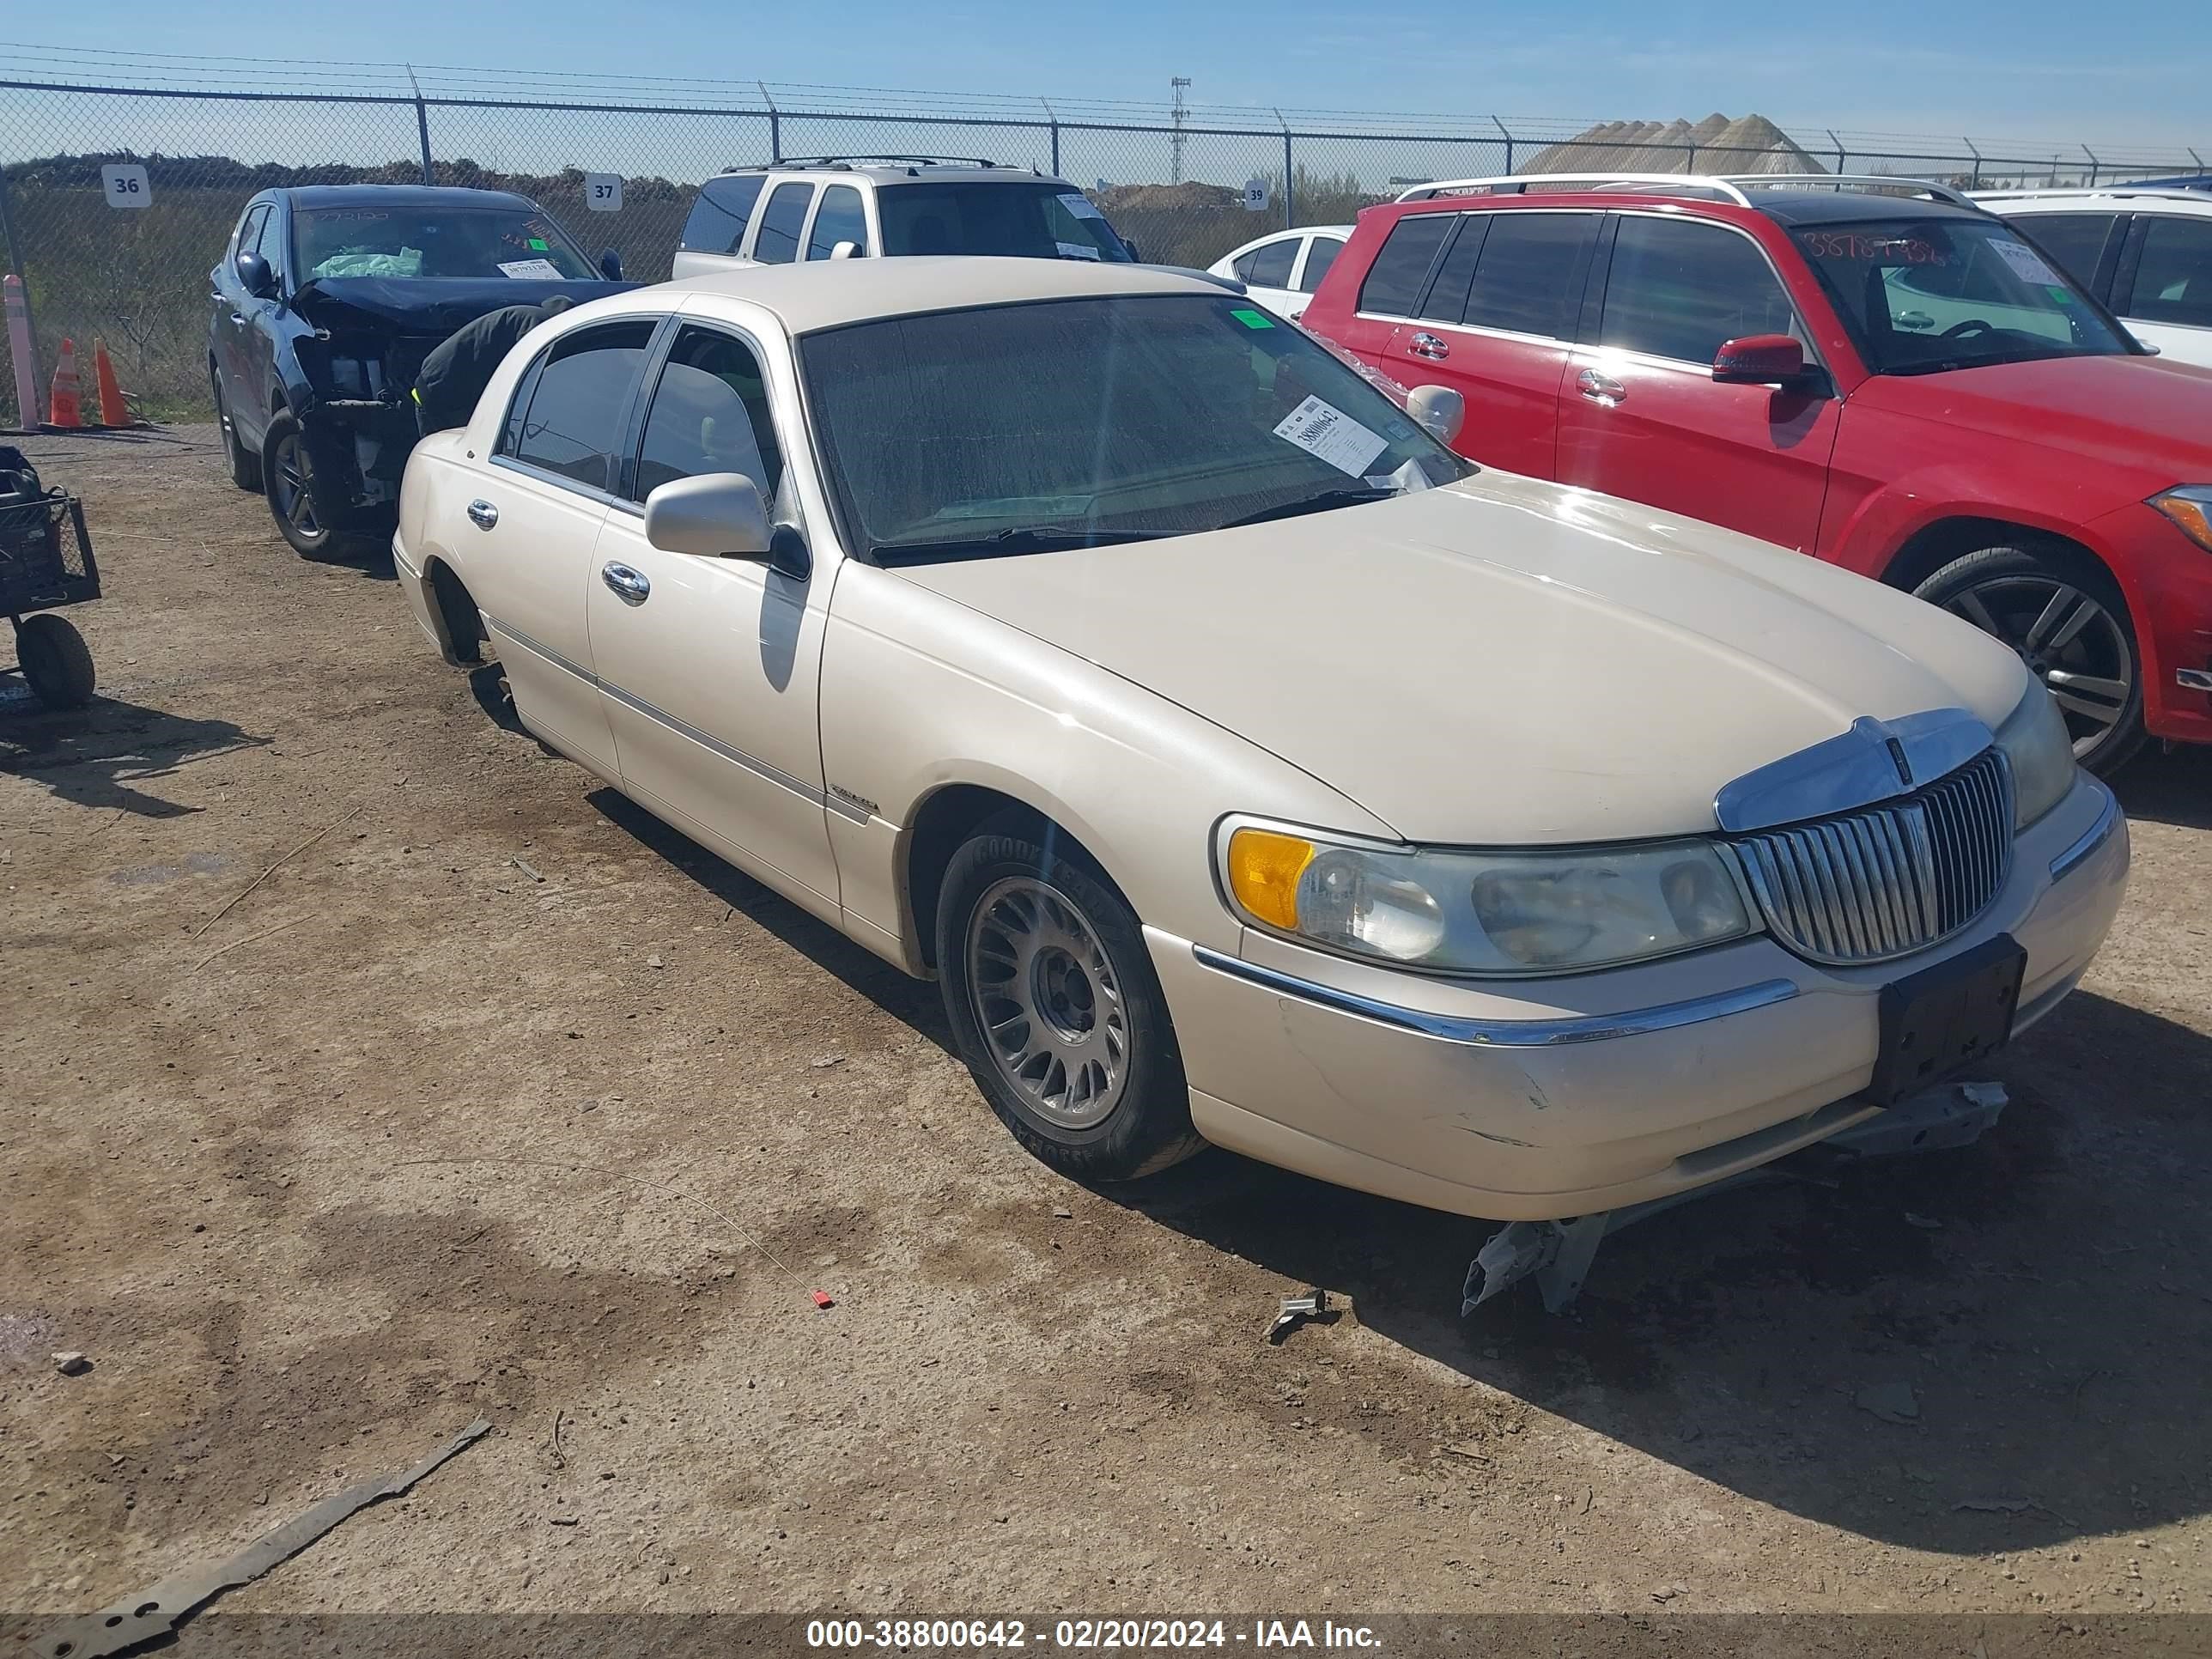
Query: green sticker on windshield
pixel 2064 296
pixel 537 242
pixel 1253 318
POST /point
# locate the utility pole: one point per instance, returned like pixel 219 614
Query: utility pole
pixel 1178 116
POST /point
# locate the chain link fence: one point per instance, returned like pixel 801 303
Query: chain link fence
pixel 1174 182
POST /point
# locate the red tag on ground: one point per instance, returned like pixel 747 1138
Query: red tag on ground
pixel 822 1299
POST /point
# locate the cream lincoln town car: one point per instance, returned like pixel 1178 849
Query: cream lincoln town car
pixel 1246 767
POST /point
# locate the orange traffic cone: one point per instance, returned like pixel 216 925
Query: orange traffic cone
pixel 63 410
pixel 113 411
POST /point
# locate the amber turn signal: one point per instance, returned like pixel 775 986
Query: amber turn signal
pixel 1264 867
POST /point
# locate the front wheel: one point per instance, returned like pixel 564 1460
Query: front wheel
pixel 288 472
pixel 2067 622
pixel 57 663
pixel 1055 1008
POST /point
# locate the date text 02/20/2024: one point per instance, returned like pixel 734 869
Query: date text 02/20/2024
pixel 955 1634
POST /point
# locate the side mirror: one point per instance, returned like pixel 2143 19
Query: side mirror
pixel 845 251
pixel 716 516
pixel 611 264
pixel 1438 411
pixel 1130 243
pixel 255 276
pixel 1760 360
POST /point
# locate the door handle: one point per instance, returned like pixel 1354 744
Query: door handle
pixel 483 514
pixel 1600 388
pixel 629 585
pixel 1426 344
pixel 240 320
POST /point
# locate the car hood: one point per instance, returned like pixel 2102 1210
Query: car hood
pixel 1503 661
pixel 2134 412
pixel 431 305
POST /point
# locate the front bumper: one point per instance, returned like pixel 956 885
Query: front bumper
pixel 1614 1089
pixel 2167 579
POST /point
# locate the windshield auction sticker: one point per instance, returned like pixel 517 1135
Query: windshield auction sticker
pixel 2025 263
pixel 531 269
pixel 1326 431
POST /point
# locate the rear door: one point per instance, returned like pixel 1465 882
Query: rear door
pixel 1495 320
pixel 780 223
pixel 527 553
pixel 228 303
pixel 1642 416
pixel 2164 291
pixel 1268 274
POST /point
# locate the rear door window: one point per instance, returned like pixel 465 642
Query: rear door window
pixel 777 241
pixel 718 218
pixel 1401 270
pixel 1269 267
pixel 839 219
pixel 1529 278
pixel 2173 278
pixel 2076 241
pixel 1320 256
pixel 1680 289
pixel 1446 301
pixel 567 413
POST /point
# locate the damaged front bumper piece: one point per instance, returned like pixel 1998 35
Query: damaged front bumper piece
pixel 1558 1255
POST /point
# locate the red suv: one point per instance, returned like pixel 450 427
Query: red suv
pixel 1900 384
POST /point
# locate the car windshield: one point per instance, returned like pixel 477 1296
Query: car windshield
pixel 1043 221
pixel 1922 295
pixel 433 241
pixel 1019 429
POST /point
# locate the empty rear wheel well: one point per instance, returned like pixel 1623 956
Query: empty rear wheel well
pixel 457 618
pixel 945 822
pixel 1929 549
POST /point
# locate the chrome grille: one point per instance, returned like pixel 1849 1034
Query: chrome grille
pixel 1889 880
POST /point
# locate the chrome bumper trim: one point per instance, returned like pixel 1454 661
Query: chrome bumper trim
pixel 2098 833
pixel 1504 1033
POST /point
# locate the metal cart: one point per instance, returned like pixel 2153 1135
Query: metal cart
pixel 45 562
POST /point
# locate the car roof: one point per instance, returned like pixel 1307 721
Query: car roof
pixel 1822 207
pixel 1782 204
pixel 828 293
pixel 2143 198
pixel 918 171
pixel 401 195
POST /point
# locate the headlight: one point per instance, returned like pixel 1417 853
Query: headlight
pixel 1484 913
pixel 2189 506
pixel 2035 740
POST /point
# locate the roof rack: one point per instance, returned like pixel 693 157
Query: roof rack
pixel 2028 192
pixel 1517 184
pixel 846 163
pixel 1841 181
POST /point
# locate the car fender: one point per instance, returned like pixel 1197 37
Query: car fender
pixel 921 694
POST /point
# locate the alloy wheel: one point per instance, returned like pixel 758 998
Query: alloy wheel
pixel 294 496
pixel 1048 1002
pixel 2069 641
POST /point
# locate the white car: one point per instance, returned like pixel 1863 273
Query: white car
pixel 1282 271
pixel 1245 766
pixel 2145 252
pixel 865 207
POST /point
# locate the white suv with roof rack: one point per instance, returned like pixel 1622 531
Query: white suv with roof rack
pixel 840 207
pixel 2144 251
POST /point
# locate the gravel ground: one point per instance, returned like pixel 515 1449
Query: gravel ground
pixel 318 1170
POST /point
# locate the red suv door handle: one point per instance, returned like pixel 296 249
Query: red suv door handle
pixel 1600 388
pixel 1426 344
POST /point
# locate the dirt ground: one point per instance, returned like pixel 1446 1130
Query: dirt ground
pixel 318 1170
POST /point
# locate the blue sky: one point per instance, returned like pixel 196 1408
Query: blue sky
pixel 2050 70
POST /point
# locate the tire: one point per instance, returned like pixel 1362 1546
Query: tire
pixel 56 663
pixel 244 464
pixel 2067 620
pixel 288 477
pixel 1029 934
